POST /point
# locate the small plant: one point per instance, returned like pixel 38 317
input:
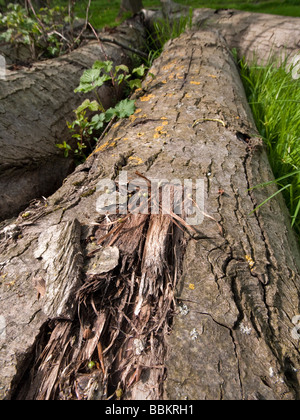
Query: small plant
pixel 42 31
pixel 91 116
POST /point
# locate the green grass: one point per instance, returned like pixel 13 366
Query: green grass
pixel 274 96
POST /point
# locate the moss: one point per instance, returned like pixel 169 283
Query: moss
pixel 88 193
pixel 77 183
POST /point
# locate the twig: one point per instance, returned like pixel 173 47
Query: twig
pixel 86 21
pixel 209 119
pixel 100 356
pixel 98 39
pixel 61 36
pixel 71 5
pixel 38 19
pixel 106 129
pixel 120 44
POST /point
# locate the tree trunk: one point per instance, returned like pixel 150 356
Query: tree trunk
pixel 142 306
pixel 132 6
pixel 35 105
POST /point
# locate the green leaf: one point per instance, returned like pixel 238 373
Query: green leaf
pixel 98 121
pixel 103 65
pixel 122 67
pixel 87 104
pixel 98 65
pixel 101 80
pixel 84 87
pixel 90 80
pixel 90 76
pixel 94 106
pixel 140 71
pixel 64 146
pixel 120 78
pixel 135 84
pixel 125 108
pixel 81 146
pixel 110 114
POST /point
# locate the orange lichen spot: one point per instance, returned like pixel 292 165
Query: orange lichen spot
pixel 137 160
pixel 101 148
pixel 250 261
pixel 212 76
pixel 168 66
pixel 138 111
pixel 109 143
pixel 132 118
pixel 164 81
pixel 140 134
pixel 159 131
pixel 191 286
pixel 147 98
pixel 195 83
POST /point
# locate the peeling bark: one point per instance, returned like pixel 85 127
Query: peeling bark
pixel 229 293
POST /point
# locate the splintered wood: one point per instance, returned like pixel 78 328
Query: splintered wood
pixel 124 315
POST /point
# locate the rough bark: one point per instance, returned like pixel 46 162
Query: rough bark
pixel 229 293
pixel 35 105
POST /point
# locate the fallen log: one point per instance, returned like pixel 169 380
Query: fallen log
pixel 35 105
pixel 256 36
pixel 165 306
